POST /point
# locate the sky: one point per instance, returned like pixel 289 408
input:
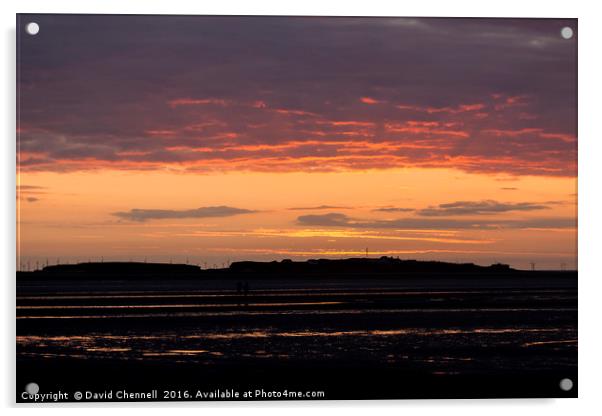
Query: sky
pixel 212 139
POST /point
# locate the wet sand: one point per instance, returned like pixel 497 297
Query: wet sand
pixel 351 339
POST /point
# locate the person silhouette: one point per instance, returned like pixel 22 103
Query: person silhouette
pixel 246 290
pixel 238 292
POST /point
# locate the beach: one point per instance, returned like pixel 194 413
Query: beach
pixel 348 338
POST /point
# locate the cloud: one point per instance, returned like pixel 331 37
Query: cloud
pixel 410 93
pixel 27 192
pixel 343 221
pixel 370 100
pixel 317 208
pixel 192 101
pixel 325 220
pixel 393 209
pixel 461 108
pixel 478 208
pixel 30 187
pixel 142 215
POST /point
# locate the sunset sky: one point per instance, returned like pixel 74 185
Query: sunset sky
pixel 227 138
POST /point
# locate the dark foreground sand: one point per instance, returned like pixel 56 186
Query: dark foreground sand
pixel 350 339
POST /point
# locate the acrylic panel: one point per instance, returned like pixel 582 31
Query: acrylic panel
pixel 295 208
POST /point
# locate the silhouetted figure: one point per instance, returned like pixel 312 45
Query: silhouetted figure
pixel 246 289
pixel 238 292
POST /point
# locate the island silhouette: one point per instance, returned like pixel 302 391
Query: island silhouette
pixel 383 267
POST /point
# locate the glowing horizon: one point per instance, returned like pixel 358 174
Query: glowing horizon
pixel 234 146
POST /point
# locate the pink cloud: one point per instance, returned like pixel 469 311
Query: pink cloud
pixel 371 101
pixel 191 101
pixel 301 139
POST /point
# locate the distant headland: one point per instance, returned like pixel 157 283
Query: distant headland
pixel 383 267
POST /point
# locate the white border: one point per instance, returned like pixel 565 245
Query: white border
pixel 590 275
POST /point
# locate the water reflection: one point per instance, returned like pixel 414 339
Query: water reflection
pixel 178 306
pixel 444 331
pixel 297 312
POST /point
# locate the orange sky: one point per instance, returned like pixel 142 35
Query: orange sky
pixel 72 218
pixel 174 138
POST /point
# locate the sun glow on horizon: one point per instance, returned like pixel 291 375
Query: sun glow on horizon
pixel 237 147
pixel 291 215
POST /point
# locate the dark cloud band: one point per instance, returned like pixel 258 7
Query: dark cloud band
pixel 478 208
pixel 141 92
pixel 142 215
